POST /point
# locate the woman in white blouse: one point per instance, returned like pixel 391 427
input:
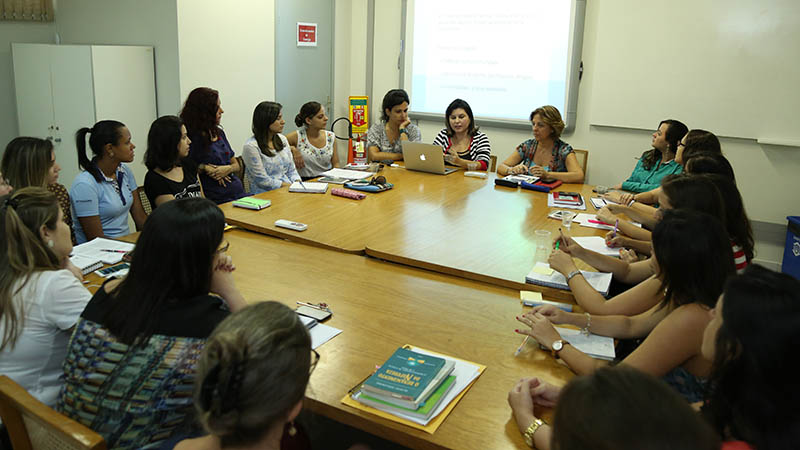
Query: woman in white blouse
pixel 313 147
pixel 267 156
pixel 41 294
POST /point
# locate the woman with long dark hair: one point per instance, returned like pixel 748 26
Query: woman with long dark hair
pixel 754 328
pixel 132 358
pixel 103 194
pixel 170 174
pixel 267 156
pixel 384 137
pixel 464 145
pixel 659 161
pixel 693 261
pixel 209 149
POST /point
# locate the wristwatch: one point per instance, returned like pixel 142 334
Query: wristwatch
pixel 531 430
pixel 557 347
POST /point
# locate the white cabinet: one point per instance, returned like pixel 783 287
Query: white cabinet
pixel 61 88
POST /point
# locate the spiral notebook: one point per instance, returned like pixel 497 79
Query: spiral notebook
pixel 543 275
pixel 86 264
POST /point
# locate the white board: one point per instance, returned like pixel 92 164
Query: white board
pixel 736 75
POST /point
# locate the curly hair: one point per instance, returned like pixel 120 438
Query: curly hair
pixel 199 114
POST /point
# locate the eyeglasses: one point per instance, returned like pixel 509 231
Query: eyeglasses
pixel 314 361
pixel 379 180
pixel 224 248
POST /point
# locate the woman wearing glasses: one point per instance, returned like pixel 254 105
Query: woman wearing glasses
pixel 103 194
pixel 131 361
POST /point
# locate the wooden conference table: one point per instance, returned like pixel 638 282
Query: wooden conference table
pixel 451 224
pixel 381 306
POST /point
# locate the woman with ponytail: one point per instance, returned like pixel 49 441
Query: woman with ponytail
pixel 313 148
pixel 41 296
pixel 131 361
pixel 103 194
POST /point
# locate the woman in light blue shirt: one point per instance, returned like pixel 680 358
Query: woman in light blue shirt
pixel 103 194
pixel 267 157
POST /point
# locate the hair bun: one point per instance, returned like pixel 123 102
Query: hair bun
pixel 298 120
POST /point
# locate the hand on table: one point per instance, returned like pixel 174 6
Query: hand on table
pixel 521 401
pixel 541 326
pixel 605 215
pixel 561 262
pixel 623 198
pixel 538 171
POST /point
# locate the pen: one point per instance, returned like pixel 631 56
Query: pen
pixel 301 184
pixel 599 222
pixel 524 341
pixel 113 251
pixel 561 236
pixel 616 227
pixel 321 306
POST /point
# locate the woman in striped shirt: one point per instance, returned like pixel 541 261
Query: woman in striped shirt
pixel 463 145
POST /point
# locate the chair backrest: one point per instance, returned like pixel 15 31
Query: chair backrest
pixel 492 163
pixel 583 159
pixel 144 200
pixel 32 425
pixel 242 174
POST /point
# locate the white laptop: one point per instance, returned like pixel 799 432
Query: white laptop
pixel 425 158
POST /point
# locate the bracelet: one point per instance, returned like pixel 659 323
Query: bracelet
pixel 585 329
pixel 403 130
pixel 572 274
pixel 631 202
pixel 531 430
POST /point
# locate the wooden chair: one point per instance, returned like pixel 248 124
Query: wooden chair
pixel 583 160
pixel 32 425
pixel 242 174
pixel 145 201
pixel 492 163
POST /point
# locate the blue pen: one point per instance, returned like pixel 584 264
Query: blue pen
pixel 616 227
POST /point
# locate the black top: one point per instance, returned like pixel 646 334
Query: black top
pixel 156 184
pixel 193 318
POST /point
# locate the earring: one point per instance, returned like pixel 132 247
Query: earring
pixel 111 154
pixel 50 243
pixel 292 429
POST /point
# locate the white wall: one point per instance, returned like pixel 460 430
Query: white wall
pixel 143 22
pixel 34 33
pixel 232 50
pixel 766 175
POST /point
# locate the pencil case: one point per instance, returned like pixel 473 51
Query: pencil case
pixel 347 193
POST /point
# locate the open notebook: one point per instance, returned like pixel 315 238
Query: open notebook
pixel 543 275
pixel 308 187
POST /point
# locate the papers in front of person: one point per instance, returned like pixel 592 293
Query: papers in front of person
pixel 591 221
pixel 543 275
pixel 308 187
pixel 346 174
pixel 596 346
pixel 597 244
pixel 108 251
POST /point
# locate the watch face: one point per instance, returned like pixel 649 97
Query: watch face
pixel 558 345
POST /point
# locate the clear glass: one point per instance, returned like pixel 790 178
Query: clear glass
pixel 543 245
pixel 566 219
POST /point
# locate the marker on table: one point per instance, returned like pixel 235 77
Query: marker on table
pixel 113 251
pixel 600 222
pixel 561 236
pixel 616 227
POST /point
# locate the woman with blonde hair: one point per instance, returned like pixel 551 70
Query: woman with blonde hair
pixel 546 155
pixel 41 296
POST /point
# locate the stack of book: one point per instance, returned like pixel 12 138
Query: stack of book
pixel 409 383
pixel 569 200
